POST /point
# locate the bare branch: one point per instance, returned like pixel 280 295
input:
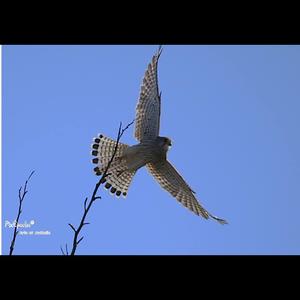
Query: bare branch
pixel 72 227
pixel 21 199
pixel 86 199
pixel 88 205
pixel 62 251
pixel 80 240
pixel 123 130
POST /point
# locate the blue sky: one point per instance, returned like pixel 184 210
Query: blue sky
pixel 232 113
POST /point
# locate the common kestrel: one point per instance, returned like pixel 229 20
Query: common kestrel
pixel 150 152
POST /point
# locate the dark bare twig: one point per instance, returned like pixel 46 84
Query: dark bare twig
pixel 21 199
pixel 80 240
pixel 72 227
pixel 62 250
pixel 87 205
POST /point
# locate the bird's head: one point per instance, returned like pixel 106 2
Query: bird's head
pixel 165 142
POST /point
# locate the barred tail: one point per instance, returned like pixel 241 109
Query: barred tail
pixel 119 177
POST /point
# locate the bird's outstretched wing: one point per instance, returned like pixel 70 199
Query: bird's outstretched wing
pixel 170 180
pixel 148 107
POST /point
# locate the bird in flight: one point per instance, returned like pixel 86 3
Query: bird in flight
pixel 150 152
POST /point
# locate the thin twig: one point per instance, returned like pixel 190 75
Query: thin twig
pixel 72 227
pixel 80 240
pixel 87 205
pixel 21 199
pixel 62 251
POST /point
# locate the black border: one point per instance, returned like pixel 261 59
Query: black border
pixel 140 32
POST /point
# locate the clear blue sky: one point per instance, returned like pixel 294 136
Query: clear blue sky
pixel 232 113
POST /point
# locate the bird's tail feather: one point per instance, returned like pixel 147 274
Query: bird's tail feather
pixel 119 178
